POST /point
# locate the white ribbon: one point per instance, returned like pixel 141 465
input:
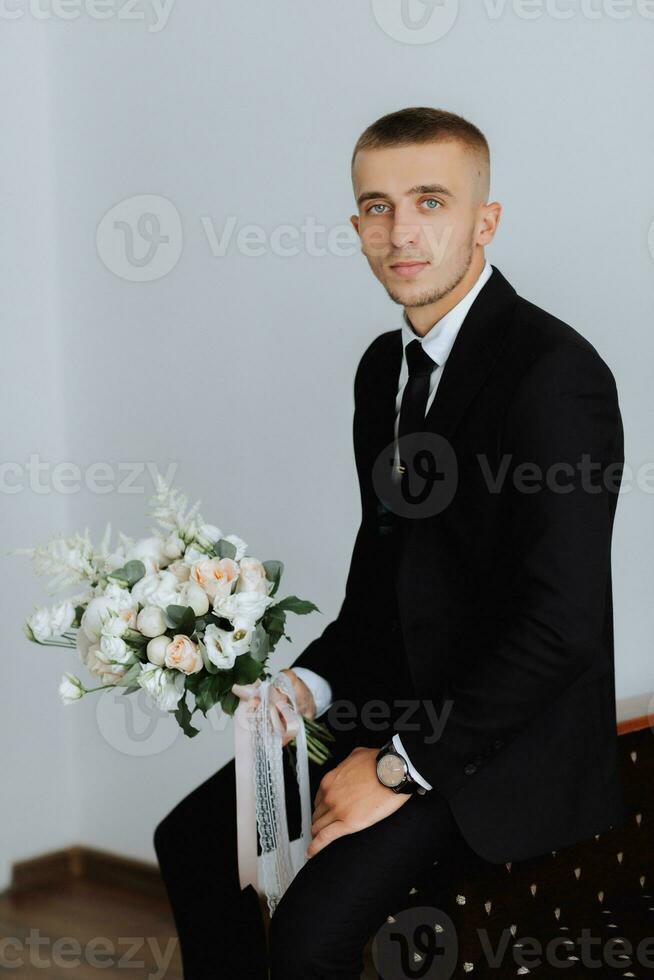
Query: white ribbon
pixel 260 799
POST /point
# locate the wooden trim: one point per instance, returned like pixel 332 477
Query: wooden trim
pixel 90 864
pixel 635 724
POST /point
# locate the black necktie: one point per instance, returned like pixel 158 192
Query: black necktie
pixel 416 391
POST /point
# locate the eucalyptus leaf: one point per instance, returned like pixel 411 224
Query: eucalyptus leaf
pixel 273 569
pixel 181 619
pixel 130 573
pixel 225 549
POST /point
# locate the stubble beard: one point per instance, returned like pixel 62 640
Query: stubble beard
pixel 436 293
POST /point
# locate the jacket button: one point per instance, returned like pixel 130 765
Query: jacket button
pixel 470 768
pixel 498 743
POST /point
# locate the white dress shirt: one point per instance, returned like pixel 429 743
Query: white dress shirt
pixel 437 343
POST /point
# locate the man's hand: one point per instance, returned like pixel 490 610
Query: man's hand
pixel 350 798
pixel 303 699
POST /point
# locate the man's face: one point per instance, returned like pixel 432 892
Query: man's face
pixel 419 204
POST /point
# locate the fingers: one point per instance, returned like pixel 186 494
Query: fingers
pixel 335 830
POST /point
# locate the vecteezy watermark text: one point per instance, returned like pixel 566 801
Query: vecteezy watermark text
pixel 100 952
pixel 156 13
pixel 44 477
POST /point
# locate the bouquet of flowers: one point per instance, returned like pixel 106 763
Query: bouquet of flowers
pixel 183 611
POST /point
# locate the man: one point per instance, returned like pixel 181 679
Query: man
pixel 469 674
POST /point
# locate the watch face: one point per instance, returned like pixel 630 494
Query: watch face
pixel 391 769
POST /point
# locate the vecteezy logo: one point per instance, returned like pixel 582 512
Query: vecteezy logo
pixel 418 943
pixel 416 21
pixel 419 479
pixel 140 239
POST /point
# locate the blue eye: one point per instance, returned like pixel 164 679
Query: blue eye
pixel 371 209
pixel 432 200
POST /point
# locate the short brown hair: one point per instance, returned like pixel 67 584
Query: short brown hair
pixel 422 124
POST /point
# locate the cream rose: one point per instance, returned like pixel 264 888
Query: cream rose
pixel 252 577
pixel 183 654
pixel 216 576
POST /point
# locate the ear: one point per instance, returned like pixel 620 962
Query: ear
pixel 489 220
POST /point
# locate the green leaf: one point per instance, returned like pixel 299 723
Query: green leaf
pixel 229 702
pixel 212 688
pixel 181 619
pixel 246 669
pixel 274 571
pixel 224 548
pixel 260 644
pixel 299 606
pixel 130 690
pixel 183 716
pixel 129 574
pixel 274 623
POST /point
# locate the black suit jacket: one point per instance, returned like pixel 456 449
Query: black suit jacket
pixel 497 609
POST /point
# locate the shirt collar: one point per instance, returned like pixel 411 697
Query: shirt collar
pixel 439 339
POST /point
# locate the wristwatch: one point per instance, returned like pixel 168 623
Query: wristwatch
pixel 393 771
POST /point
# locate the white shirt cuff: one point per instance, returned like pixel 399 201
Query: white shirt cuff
pixel 397 742
pixel 319 687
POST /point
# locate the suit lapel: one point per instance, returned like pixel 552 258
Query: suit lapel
pixel 473 354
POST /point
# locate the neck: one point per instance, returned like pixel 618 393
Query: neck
pixel 423 318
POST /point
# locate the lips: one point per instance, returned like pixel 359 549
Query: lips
pixel 407 269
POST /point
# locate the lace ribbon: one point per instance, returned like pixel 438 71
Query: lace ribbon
pixel 260 798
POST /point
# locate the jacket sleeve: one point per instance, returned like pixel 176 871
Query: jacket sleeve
pixel 564 410
pixel 335 654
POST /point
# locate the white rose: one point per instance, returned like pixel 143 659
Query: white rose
pixel 192 595
pixel 180 570
pixel 252 577
pixel 61 617
pixel 223 646
pixel 151 552
pixel 193 555
pixel 151 621
pixel 113 649
pixel 242 609
pixel 173 546
pixel 160 589
pixel 217 576
pixel 114 599
pixel 40 625
pixel 164 686
pixel 71 688
pixel 109 673
pixel 183 654
pixel 156 650
pixel 208 534
pixel 115 625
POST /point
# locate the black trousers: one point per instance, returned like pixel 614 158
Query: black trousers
pixel 336 902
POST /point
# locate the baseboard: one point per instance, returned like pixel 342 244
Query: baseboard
pixel 90 864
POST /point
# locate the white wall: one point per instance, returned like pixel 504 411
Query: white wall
pixel 39 799
pixel 238 369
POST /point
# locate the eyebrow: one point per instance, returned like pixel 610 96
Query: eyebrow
pixel 418 189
